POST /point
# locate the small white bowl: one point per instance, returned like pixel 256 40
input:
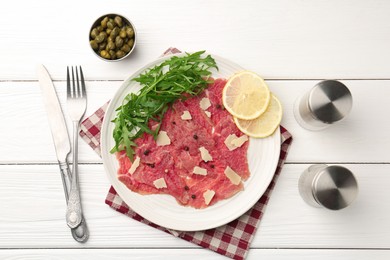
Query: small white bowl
pixel 97 23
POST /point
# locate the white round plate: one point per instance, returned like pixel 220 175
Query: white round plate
pixel 163 210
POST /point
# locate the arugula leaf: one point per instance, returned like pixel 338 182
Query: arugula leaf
pixel 175 78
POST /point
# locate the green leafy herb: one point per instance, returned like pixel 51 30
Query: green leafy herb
pixel 175 78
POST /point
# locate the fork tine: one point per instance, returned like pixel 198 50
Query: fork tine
pixel 77 87
pixel 83 91
pixel 73 85
pixel 68 91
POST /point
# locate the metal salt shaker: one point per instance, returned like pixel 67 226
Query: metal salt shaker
pixel 331 187
pixel 327 102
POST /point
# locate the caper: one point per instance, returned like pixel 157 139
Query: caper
pixel 94 44
pixel 108 31
pixel 94 33
pixel 114 33
pixel 112 54
pixel 105 54
pixel 123 34
pixel 126 48
pixel 110 25
pixel 103 23
pixel 111 45
pixel 131 43
pixel 102 45
pixel 118 21
pixel 130 32
pixel 104 34
pixel 99 38
pixel 118 41
pixel 99 28
pixel 120 54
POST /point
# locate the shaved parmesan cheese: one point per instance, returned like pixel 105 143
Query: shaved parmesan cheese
pixel 204 153
pixel 238 142
pixel 200 171
pixel 233 142
pixel 228 142
pixel 207 113
pixel 205 103
pixel 163 139
pixel 186 115
pixel 134 166
pixel 208 196
pixel 160 183
pixel 232 176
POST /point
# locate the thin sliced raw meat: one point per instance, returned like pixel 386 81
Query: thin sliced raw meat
pixel 175 162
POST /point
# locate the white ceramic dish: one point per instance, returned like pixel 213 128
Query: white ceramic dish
pixel 163 210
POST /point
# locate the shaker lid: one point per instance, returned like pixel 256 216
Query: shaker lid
pixel 330 101
pixel 335 187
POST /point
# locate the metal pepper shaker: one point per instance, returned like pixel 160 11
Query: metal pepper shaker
pixel 331 187
pixel 327 102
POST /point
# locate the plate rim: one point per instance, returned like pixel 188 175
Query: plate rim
pixel 105 124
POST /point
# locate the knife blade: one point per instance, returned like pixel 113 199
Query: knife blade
pixel 54 112
pixel 61 139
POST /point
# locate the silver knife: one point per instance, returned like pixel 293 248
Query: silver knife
pixel 61 140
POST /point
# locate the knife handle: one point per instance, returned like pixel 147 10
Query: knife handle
pixel 80 233
pixel 74 211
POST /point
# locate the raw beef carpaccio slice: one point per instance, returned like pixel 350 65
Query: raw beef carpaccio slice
pixel 175 163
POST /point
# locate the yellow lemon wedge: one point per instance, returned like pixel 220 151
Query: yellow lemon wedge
pixel 246 95
pixel 266 124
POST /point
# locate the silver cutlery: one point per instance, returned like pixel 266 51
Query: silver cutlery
pixel 61 140
pixel 76 104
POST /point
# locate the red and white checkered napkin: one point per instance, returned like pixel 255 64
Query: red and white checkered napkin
pixel 233 239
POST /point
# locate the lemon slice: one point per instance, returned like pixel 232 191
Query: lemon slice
pixel 246 95
pixel 266 124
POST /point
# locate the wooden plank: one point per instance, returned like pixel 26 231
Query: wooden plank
pixel 282 39
pixel 362 137
pixel 33 213
pixel 189 254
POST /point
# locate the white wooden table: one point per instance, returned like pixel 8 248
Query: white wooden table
pixel 293 44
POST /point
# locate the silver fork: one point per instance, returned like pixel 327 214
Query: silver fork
pixel 76 104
